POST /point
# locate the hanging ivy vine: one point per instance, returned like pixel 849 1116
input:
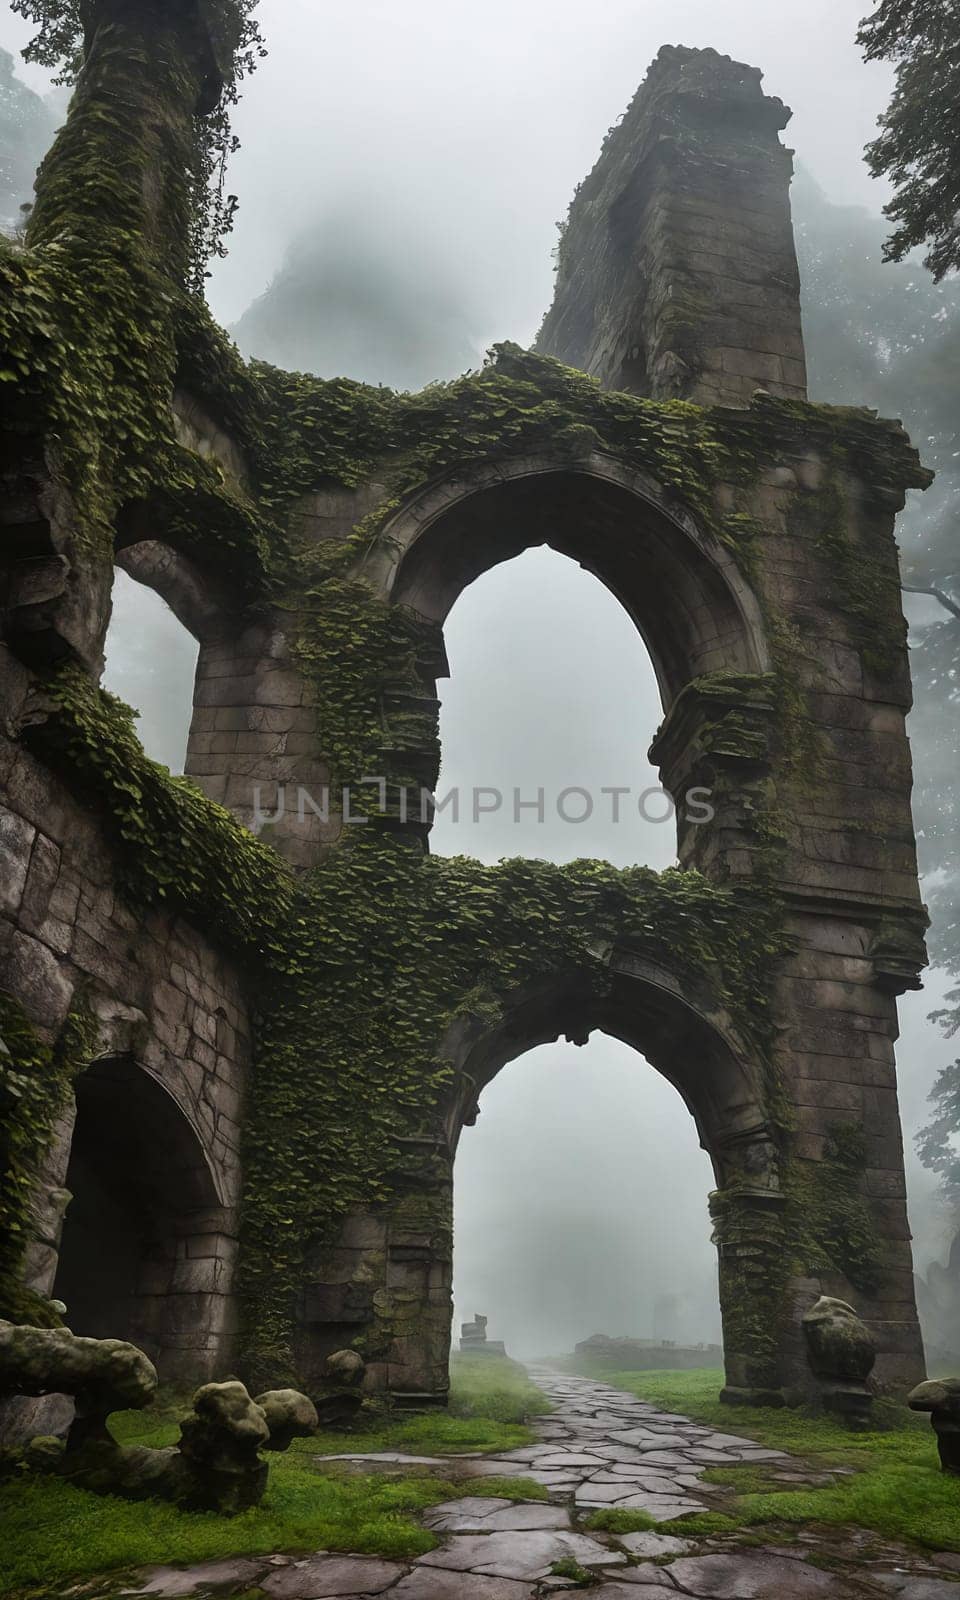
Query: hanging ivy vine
pixel 236 46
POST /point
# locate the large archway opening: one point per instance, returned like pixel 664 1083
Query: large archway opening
pixel 639 1012
pixel 142 1197
pixel 580 1208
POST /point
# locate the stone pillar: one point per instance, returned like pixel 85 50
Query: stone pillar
pixel 253 742
pixel 677 274
pixel 385 1287
pixel 837 1015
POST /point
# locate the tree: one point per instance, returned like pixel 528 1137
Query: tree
pixel 919 146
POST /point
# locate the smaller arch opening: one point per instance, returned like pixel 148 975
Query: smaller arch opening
pixel 131 1253
pixel 545 722
pixel 151 653
pixel 692 606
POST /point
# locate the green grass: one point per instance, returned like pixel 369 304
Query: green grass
pixel 613 1521
pixel 897 1488
pixel 53 1532
pixel 490 1401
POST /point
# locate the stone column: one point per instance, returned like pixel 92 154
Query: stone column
pixel 677 272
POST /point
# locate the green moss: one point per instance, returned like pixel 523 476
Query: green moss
pixel 833 1228
pixel 612 1520
pixel 384 951
pixel 174 847
pixel 35 1080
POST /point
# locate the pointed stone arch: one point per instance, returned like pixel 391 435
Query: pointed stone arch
pixel 683 589
pixel 140 1251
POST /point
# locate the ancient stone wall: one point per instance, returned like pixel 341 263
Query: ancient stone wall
pixel 314 535
pixel 164 1004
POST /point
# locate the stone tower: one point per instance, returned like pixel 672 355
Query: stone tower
pixel 302 1019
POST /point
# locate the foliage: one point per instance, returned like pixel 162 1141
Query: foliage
pixel 577 1576
pixel 35 1078
pixel 614 1520
pixel 830 1224
pixel 175 846
pixel 920 137
pixel 237 45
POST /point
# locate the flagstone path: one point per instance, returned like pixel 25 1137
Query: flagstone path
pixel 598 1448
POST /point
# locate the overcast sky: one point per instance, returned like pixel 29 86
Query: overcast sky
pixel 443 142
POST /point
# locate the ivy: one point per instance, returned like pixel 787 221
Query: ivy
pixel 833 1228
pixel 355 971
pixel 175 847
pixel 235 44
pixel 35 1080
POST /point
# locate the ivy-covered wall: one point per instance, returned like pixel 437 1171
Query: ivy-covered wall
pixel 756 548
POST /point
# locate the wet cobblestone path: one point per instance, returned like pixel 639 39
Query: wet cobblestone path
pixel 598 1448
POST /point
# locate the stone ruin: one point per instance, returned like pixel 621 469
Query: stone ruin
pixel 474 1341
pixel 236 1063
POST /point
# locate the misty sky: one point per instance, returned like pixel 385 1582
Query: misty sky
pixel 437 143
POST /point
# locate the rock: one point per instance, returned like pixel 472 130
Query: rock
pixel 436 1585
pixel 649 1545
pixel 173 1583
pixel 519 1555
pixel 102 1375
pixel 474 1341
pixel 754 1575
pixel 289 1414
pixel 941 1398
pixel 26 1416
pixel 908 1586
pixel 841 1352
pixel 323 1575
pixel 474 1514
pixel 220 1446
pixel 340 1398
pixel 345 1368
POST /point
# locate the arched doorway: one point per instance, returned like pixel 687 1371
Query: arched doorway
pixel 580 1208
pixel 681 1029
pixel 140 1246
pixel 702 625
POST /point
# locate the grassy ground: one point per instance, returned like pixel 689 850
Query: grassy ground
pixel 896 1487
pixel 52 1532
pixel 490 1399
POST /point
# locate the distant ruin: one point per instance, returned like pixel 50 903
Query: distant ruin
pixel 236 1068
pixel 474 1341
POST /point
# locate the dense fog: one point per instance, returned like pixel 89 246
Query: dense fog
pixel 401 176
